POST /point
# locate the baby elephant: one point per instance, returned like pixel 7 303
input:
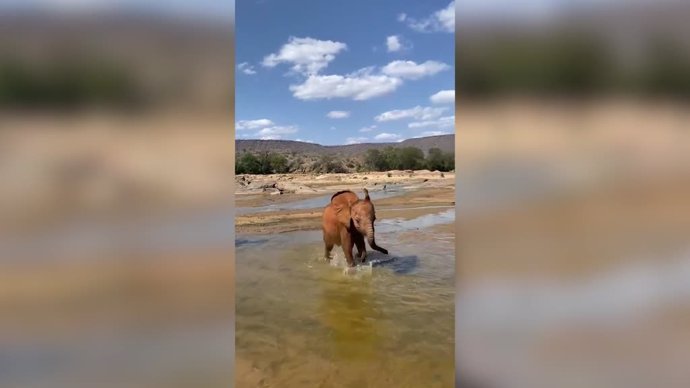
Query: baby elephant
pixel 347 220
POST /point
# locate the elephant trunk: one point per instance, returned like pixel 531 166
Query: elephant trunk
pixel 372 240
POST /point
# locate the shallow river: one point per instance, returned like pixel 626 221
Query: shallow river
pixel 318 202
pixel 302 322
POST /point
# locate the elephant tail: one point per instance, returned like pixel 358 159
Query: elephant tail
pixel 366 194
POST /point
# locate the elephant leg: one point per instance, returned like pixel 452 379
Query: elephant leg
pixel 347 243
pixel 327 251
pixel 361 247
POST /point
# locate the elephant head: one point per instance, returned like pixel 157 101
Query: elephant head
pixel 363 215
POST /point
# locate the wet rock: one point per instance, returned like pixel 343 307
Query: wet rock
pixel 289 187
pixel 260 185
pixel 273 191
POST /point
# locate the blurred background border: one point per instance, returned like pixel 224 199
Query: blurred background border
pixel 573 206
pixel 116 203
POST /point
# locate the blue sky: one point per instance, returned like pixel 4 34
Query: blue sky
pixel 337 72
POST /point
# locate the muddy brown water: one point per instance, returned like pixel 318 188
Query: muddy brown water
pixel 302 322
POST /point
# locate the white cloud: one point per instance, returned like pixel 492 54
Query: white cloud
pixel 246 68
pixel 368 129
pixel 308 56
pixel 412 70
pixel 443 97
pixel 305 141
pixel 338 114
pixel 442 20
pixel 365 83
pixel 446 17
pixel 393 43
pixel 360 85
pixel 355 140
pixel 275 132
pixel 443 122
pixel 402 17
pixel 387 136
pixel 253 124
pixel 264 129
pixel 432 133
pixel 417 113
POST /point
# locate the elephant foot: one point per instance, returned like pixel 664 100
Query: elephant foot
pixel 349 271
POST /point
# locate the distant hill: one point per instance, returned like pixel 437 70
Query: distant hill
pixel 302 157
pixel 445 142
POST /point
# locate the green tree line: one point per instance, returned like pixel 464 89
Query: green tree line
pixel 390 158
pixel 408 158
pixel 263 163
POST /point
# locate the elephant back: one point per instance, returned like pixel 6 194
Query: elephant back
pixel 345 197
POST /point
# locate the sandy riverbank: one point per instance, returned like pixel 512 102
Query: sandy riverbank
pixel 425 192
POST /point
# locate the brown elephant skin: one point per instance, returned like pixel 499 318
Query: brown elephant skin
pixel 348 221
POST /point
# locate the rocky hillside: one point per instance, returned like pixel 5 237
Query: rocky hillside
pixel 445 142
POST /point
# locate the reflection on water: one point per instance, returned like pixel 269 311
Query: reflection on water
pixel 383 226
pixel 303 323
pixel 352 317
pixel 246 241
pixel 425 221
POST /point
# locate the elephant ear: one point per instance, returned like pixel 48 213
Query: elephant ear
pixel 343 213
